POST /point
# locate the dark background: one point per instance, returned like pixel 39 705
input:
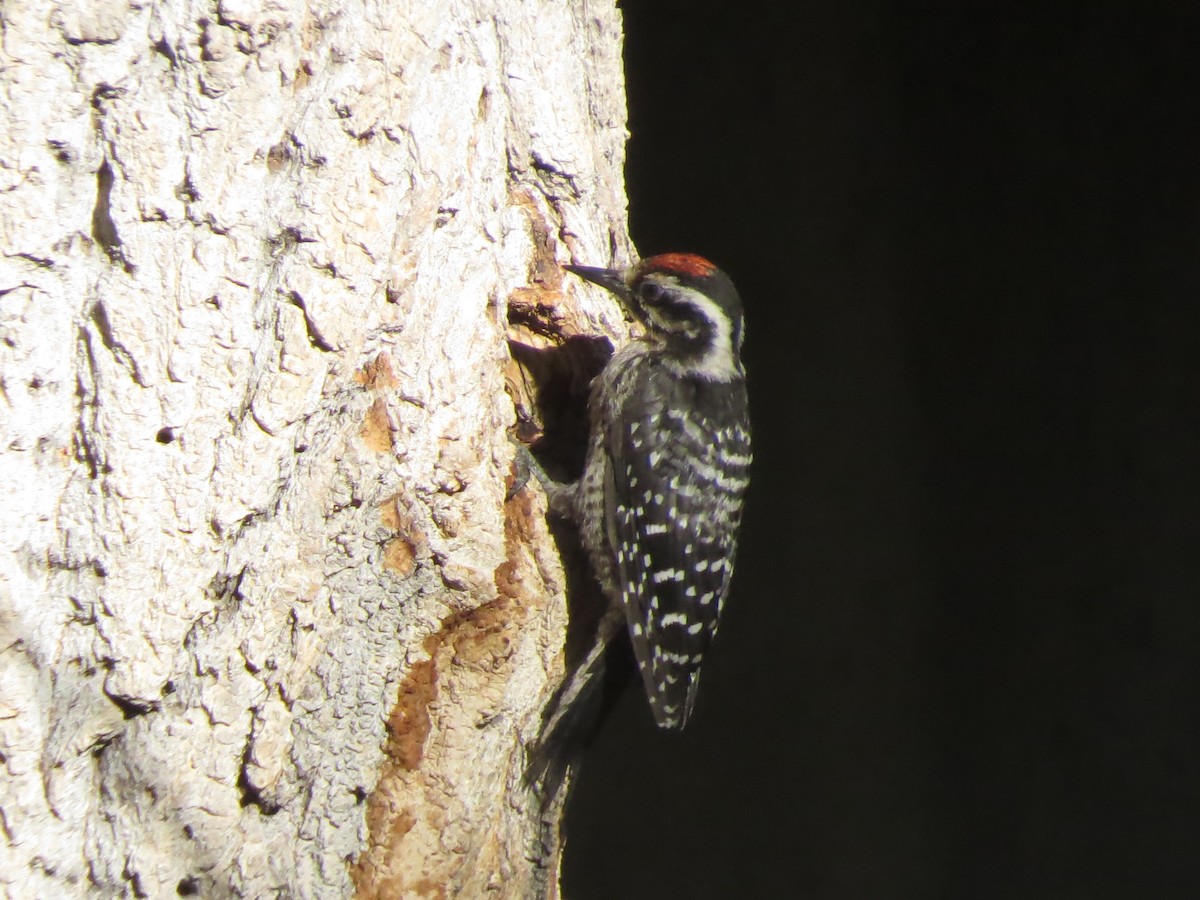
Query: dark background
pixel 961 656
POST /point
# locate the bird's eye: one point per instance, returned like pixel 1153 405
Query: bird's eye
pixel 651 291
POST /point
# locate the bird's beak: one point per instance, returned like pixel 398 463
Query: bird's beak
pixel 613 279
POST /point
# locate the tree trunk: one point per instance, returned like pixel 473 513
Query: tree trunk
pixel 268 626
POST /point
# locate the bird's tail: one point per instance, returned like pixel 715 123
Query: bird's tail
pixel 575 712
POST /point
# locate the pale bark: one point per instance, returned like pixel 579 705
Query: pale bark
pixel 267 625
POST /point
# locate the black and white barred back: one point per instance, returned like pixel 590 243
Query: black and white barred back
pixel 660 500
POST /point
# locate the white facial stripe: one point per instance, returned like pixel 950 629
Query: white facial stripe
pixel 720 362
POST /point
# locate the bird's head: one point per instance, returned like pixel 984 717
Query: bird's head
pixel 688 307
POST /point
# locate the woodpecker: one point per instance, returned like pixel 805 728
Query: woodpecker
pixel 660 500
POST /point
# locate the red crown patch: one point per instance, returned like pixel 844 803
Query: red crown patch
pixel 688 264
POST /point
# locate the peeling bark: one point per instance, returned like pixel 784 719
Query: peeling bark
pixel 268 626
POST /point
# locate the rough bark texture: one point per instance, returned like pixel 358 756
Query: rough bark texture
pixel 267 625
